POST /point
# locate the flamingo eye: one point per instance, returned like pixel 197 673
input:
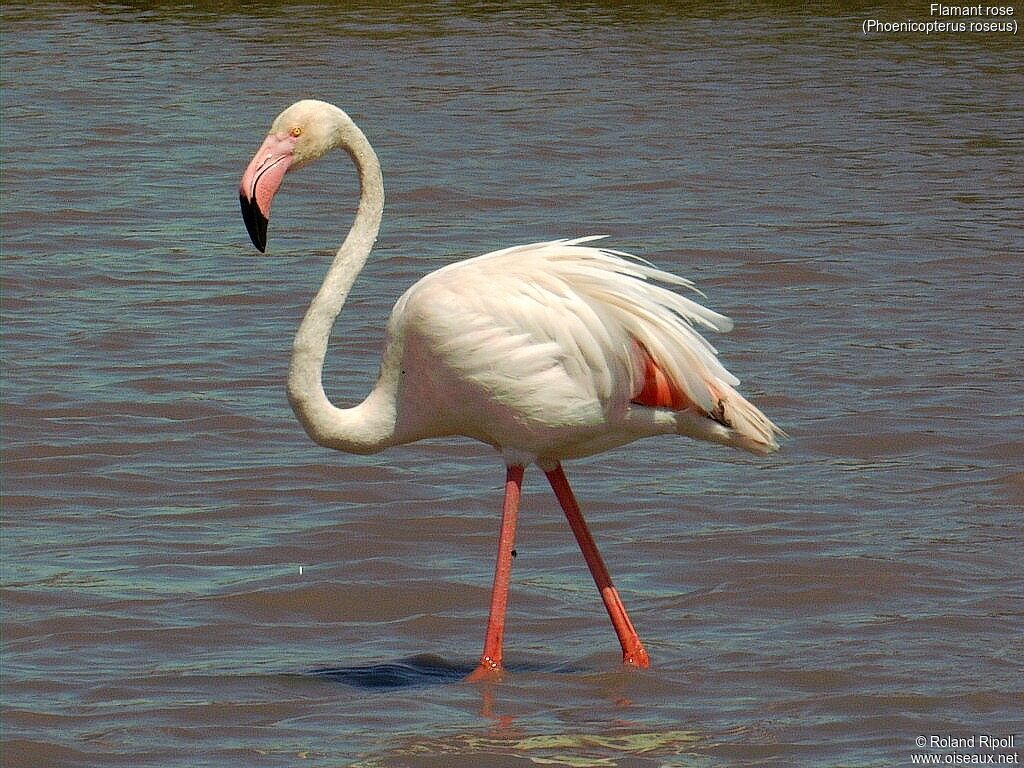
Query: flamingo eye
pixel 296 132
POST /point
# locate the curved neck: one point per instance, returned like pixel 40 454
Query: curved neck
pixel 369 426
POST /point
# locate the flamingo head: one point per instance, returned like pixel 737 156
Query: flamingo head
pixel 302 133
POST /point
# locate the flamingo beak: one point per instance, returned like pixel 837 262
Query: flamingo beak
pixel 260 183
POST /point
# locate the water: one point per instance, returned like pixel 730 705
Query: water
pixel 188 581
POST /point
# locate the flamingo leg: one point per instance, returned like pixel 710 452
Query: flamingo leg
pixel 490 666
pixel 633 652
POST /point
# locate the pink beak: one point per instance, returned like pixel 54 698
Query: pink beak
pixel 260 183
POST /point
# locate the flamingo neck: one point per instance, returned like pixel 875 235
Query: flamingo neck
pixel 369 426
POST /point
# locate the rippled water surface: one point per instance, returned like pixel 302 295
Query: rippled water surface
pixel 188 581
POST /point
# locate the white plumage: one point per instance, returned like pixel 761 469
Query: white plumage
pixel 535 349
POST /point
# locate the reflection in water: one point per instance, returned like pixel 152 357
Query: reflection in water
pixel 578 750
pixel 503 737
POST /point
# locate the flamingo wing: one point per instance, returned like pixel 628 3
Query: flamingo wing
pixel 558 336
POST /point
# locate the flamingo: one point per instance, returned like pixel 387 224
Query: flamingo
pixel 549 351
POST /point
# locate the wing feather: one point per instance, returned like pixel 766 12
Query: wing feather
pixel 561 325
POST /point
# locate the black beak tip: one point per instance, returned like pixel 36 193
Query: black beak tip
pixel 255 222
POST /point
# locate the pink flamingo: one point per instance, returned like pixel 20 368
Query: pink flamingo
pixel 546 352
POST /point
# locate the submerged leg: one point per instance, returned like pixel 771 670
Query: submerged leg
pixel 490 667
pixel 633 652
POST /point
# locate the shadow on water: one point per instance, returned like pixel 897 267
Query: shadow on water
pixel 417 671
pixel 414 672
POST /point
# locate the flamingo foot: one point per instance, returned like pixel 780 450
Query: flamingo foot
pixel 636 656
pixel 487 671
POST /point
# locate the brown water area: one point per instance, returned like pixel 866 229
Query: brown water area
pixel 189 581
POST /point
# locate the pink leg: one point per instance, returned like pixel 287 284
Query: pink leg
pixel 490 667
pixel 633 652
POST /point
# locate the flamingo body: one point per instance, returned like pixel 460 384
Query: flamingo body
pixel 549 351
pixel 544 352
